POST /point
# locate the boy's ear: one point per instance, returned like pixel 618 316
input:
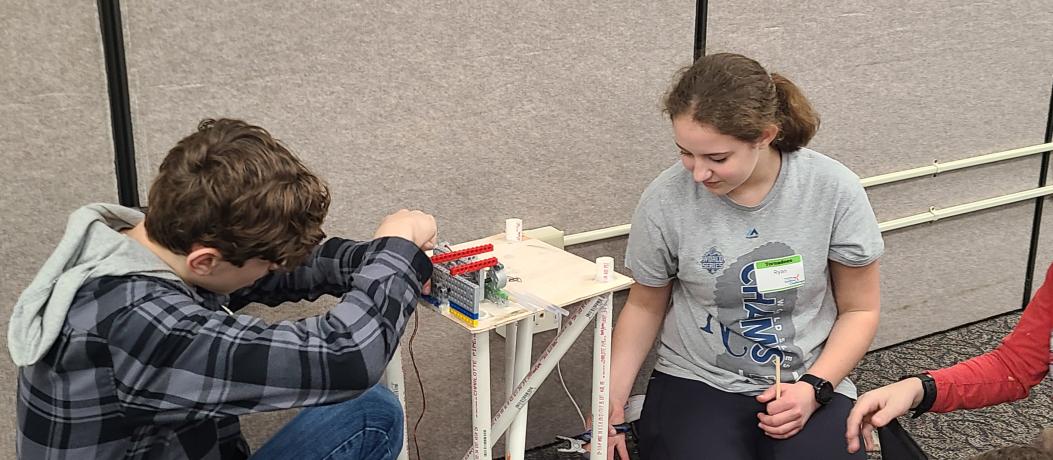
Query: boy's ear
pixel 202 260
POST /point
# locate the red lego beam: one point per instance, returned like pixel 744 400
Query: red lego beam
pixel 454 255
pixel 473 266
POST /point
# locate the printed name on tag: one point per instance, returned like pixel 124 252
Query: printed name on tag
pixel 779 274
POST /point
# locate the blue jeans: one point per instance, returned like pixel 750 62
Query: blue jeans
pixel 365 428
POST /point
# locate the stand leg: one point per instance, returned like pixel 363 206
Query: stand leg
pixel 510 358
pixel 601 377
pixel 481 395
pixel 524 345
pixel 510 364
pixel 395 380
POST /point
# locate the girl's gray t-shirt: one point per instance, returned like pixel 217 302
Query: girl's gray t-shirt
pixel 720 330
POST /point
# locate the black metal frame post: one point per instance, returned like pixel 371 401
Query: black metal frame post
pixel 701 13
pixel 120 107
pixel 1036 224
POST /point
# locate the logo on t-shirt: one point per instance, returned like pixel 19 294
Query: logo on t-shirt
pixel 712 261
pixel 756 327
pixel 753 233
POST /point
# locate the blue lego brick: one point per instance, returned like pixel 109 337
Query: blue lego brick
pixel 464 311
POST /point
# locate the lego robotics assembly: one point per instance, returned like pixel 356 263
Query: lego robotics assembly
pixel 460 282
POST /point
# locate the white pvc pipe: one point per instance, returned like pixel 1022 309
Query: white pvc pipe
pixel 935 168
pixel 936 214
pixel 481 441
pixel 395 380
pixel 601 377
pixel 596 235
pixel 576 323
pixel 510 358
pixel 510 368
pixel 516 445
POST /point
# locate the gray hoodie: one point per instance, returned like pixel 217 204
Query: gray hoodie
pixel 92 247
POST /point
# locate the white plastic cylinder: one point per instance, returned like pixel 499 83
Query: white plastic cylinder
pixel 481 428
pixel 604 269
pixel 510 364
pixel 514 229
pixel 395 380
pixel 601 378
pixel 517 431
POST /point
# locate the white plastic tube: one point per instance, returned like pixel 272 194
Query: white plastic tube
pixel 395 380
pixel 534 303
pixel 936 214
pixel 601 377
pixel 935 168
pixel 481 440
pixel 524 345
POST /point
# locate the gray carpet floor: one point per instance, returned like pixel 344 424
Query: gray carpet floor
pixel 957 435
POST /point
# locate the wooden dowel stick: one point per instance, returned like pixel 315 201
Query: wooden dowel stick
pixel 778 378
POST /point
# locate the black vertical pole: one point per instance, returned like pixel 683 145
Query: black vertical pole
pixel 1037 223
pixel 701 10
pixel 120 111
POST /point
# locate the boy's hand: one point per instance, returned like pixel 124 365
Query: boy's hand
pixel 787 415
pixel 415 226
pixel 876 408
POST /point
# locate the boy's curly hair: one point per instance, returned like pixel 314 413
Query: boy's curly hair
pixel 233 187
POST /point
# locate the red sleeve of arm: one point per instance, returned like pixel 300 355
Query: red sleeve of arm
pixel 1008 372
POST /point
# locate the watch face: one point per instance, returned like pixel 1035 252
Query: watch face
pixel 824 393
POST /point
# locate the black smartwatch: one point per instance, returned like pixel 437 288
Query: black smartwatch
pixel 928 396
pixel 824 391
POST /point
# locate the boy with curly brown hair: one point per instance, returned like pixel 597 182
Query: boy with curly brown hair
pixel 128 345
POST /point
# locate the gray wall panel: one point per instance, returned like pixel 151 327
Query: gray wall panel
pixel 475 112
pixel 55 143
pixel 937 276
pixel 1044 256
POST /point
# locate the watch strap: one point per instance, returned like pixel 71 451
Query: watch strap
pixel 928 386
pixel 816 383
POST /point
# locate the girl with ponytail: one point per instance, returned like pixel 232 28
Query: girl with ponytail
pixel 756 268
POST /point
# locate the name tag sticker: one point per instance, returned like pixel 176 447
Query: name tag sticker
pixel 779 274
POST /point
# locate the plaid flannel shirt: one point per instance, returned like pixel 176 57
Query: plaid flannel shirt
pixel 147 368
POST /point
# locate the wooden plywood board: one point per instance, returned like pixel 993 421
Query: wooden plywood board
pixel 544 271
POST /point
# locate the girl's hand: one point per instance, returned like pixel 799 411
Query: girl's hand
pixel 788 414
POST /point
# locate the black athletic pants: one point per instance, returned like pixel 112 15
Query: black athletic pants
pixel 686 420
